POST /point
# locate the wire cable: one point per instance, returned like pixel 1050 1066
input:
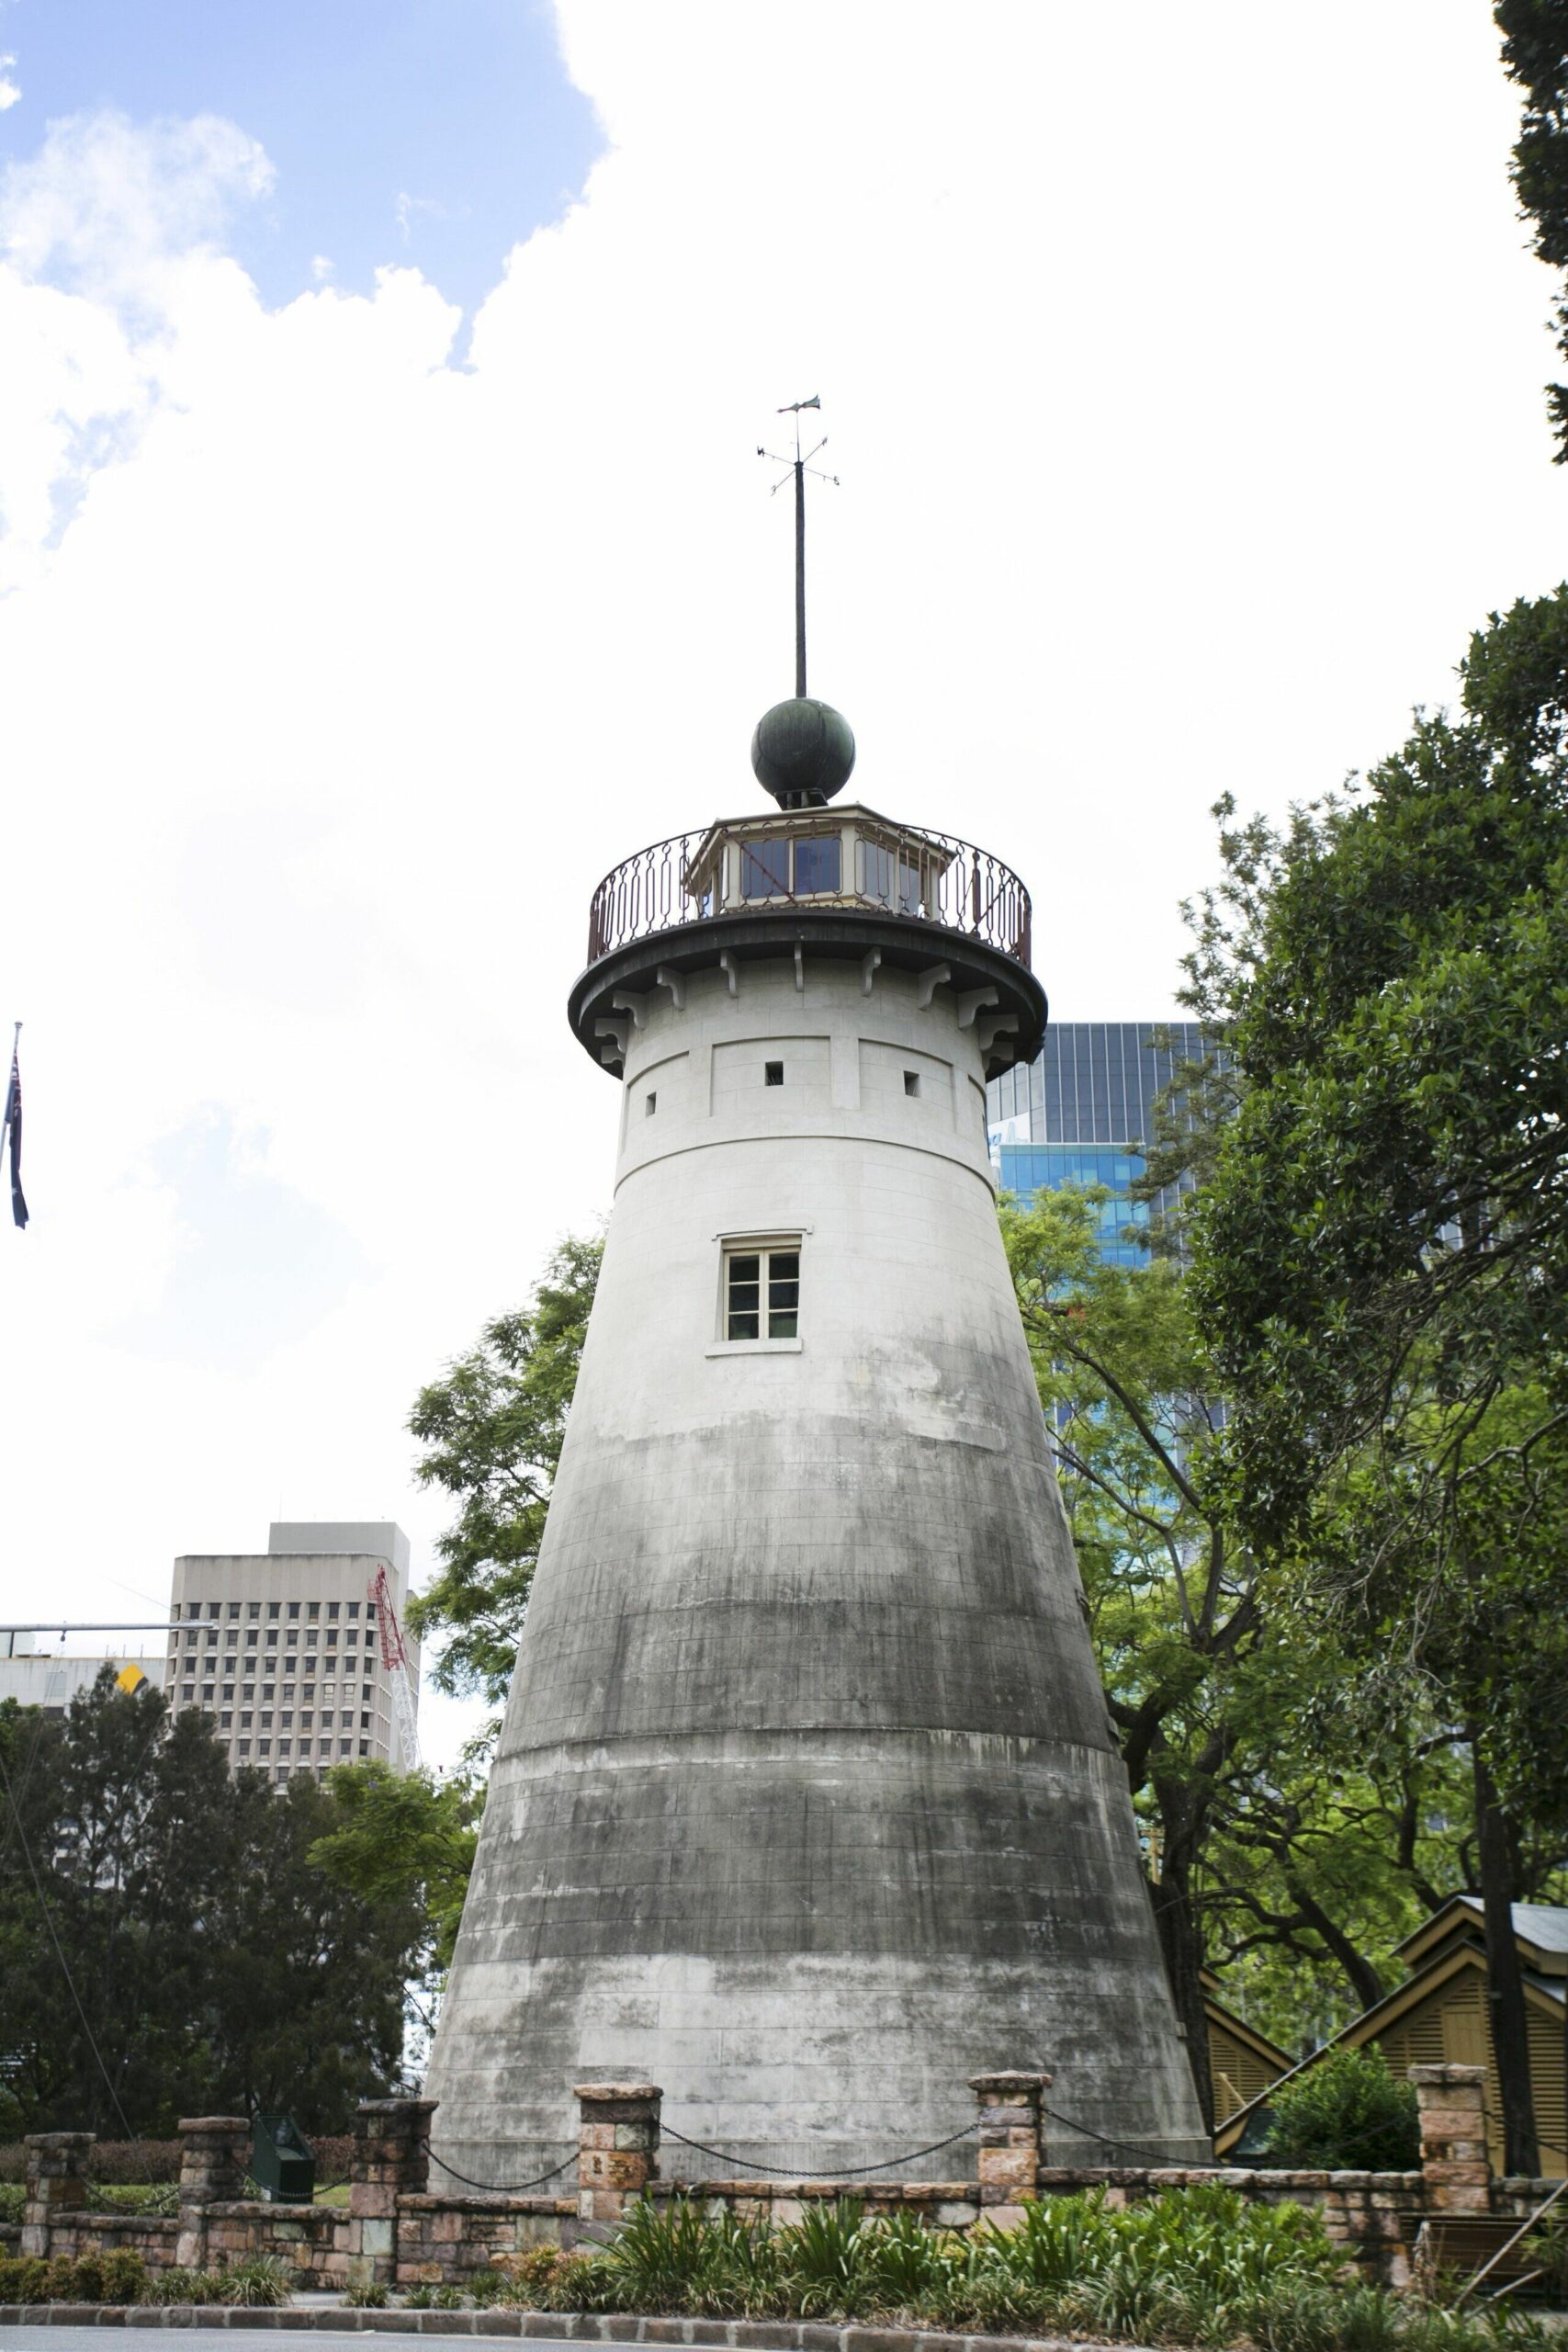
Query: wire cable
pixel 500 2187
pixel 1159 2161
pixel 792 2172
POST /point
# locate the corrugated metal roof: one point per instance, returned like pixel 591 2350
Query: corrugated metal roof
pixel 1545 1925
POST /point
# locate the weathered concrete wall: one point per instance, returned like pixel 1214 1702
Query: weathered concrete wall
pixel 806 1804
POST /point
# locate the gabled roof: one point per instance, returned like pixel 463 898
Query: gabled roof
pixel 1258 2043
pixel 1541 1929
pixel 1464 1950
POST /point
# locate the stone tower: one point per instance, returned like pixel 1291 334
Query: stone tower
pixel 806 1805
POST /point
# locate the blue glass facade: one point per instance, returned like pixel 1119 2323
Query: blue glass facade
pixel 1076 1115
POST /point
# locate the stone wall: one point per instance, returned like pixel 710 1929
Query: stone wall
pixel 395 2231
pixel 442 2240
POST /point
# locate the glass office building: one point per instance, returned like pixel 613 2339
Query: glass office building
pixel 1077 1112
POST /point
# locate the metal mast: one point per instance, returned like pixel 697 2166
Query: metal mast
pixel 800 465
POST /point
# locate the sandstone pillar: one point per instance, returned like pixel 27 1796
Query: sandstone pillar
pixel 215 2157
pixel 56 2184
pixel 617 2142
pixel 391 2159
pixel 1456 2169
pixel 1012 2140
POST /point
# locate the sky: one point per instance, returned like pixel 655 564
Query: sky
pixel 384 554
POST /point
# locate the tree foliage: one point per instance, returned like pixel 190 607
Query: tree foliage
pixel 1290 1834
pixel 402 1837
pixel 1381 1255
pixel 1346 2113
pixel 492 1428
pixel 1535 52
pixel 168 1945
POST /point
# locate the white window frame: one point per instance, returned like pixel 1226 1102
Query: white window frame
pixel 764 1247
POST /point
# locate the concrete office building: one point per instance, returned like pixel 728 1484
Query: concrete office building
pixel 280 1647
pixel 806 1805
pixel 51 1679
pixel 1076 1113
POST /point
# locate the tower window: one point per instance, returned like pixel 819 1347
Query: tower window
pixel 912 1081
pixel 764 870
pixel 761 1293
pixel 816 864
pixel 651 1103
pixel 772 1073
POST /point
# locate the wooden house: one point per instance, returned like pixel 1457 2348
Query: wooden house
pixel 1242 2061
pixel 1440 2014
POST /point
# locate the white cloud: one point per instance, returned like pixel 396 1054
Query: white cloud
pixel 1182 441
pixel 107 205
pixel 10 91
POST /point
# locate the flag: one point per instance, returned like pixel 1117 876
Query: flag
pixel 11 1126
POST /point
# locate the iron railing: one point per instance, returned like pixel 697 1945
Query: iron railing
pixel 929 877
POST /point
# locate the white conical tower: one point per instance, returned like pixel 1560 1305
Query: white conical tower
pixel 806 1806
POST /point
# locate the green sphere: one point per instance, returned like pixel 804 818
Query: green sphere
pixel 803 752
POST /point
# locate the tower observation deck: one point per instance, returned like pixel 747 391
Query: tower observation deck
pixel 806 1805
pixel 838 883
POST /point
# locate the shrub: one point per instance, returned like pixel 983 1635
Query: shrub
pixel 159 2197
pixel 118 2278
pixel 1347 2112
pixel 585 2281
pixel 113 2160
pixel 1179 2265
pixel 23 2278
pixel 366 2295
pixel 176 2286
pixel 529 2275
pixel 257 2280
pixel 90 2277
pixel 125 2275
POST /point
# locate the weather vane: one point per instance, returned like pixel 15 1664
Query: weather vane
pixel 800 465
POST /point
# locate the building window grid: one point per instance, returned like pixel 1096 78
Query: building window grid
pixel 782 1287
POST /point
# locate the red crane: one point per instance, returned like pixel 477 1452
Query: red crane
pixel 400 1674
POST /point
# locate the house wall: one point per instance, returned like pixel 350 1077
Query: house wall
pixel 1450 2025
pixel 1237 2070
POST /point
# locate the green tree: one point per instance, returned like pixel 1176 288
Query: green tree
pixel 404 1836
pixel 168 1945
pixel 1381 1255
pixel 306 1981
pixel 1122 1382
pixel 1285 1832
pixel 1535 53
pixel 492 1428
